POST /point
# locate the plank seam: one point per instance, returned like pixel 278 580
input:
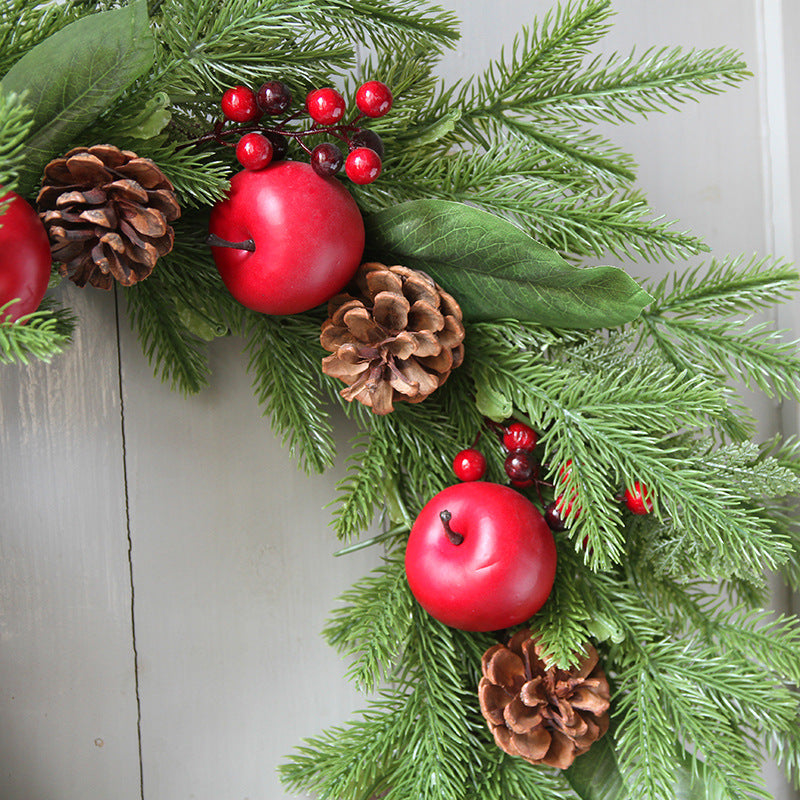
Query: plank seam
pixel 130 545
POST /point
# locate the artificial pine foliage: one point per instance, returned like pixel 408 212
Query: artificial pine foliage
pixel 623 382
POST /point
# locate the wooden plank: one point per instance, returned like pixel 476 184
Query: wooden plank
pixel 67 683
pixel 234 577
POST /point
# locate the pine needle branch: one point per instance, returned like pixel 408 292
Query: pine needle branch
pixel 40 335
pixel 284 355
pixel 15 127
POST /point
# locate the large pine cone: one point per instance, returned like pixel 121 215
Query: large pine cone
pixel 546 716
pixel 107 212
pixel 396 336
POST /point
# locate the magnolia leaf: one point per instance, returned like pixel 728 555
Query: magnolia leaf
pixel 495 270
pixel 438 129
pixel 74 75
pixel 595 776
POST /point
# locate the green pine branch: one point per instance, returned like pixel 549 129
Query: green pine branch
pixel 373 627
pixel 15 127
pixel 284 355
pixel 40 335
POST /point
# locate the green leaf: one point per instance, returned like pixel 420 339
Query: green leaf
pixel 74 75
pixel 150 121
pixel 495 270
pixel 596 776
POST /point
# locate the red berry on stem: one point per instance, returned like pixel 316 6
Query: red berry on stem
pixel 637 499
pixel 273 97
pixel 239 104
pixel 325 106
pixel 367 138
pixel 254 151
pixel 519 436
pixel 480 557
pixel 553 518
pixel 469 465
pixel 520 466
pixel 25 257
pixel 363 165
pixel 374 99
pixel 299 238
pixel 326 159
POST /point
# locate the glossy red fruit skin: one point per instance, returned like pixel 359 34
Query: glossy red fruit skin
pixel 325 106
pixel 254 151
pixel 308 233
pixel 374 99
pixel 469 465
pixel 637 499
pixel 519 436
pixel 499 576
pixel 363 165
pixel 239 104
pixel 25 258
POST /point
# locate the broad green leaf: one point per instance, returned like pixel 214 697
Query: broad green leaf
pixel 495 270
pixel 75 75
pixel 150 121
pixel 596 776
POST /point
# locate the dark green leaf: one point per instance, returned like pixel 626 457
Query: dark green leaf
pixel 596 776
pixel 495 270
pixel 74 75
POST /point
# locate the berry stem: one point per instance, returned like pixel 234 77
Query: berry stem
pixel 215 241
pixel 454 538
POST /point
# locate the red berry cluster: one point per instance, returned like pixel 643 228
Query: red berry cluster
pixel 261 144
pixel 522 469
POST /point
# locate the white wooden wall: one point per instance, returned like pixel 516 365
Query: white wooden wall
pixel 165 569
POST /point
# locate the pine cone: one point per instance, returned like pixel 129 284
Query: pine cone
pixel 106 211
pixel 396 337
pixel 546 716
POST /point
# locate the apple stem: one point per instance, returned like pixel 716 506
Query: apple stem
pixel 215 241
pixel 454 538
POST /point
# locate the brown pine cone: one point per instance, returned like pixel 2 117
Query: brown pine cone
pixel 396 336
pixel 546 716
pixel 107 212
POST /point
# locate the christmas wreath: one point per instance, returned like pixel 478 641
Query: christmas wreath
pixel 574 517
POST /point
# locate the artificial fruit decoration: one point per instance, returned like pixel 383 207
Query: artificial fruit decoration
pixel 286 239
pixel 25 258
pixel 480 557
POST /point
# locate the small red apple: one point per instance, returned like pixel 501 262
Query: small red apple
pixel 286 239
pixel 480 557
pixel 25 259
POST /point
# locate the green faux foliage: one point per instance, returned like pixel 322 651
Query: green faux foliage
pixel 501 189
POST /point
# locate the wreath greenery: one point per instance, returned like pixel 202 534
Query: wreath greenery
pixel 502 191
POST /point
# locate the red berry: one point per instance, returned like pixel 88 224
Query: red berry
pixel 637 499
pixel 374 99
pixel 367 138
pixel 325 106
pixel 519 436
pixel 239 104
pixel 469 465
pixel 326 159
pixel 553 518
pixel 520 467
pixel 254 151
pixel 363 165
pixel 273 97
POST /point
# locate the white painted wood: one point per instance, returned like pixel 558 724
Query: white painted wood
pixel 231 555
pixel 234 578
pixel 67 685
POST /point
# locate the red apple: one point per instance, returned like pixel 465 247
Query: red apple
pixel 304 234
pixel 480 557
pixel 24 257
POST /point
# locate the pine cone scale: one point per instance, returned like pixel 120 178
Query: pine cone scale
pixel 545 715
pixel 391 323
pixel 107 213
